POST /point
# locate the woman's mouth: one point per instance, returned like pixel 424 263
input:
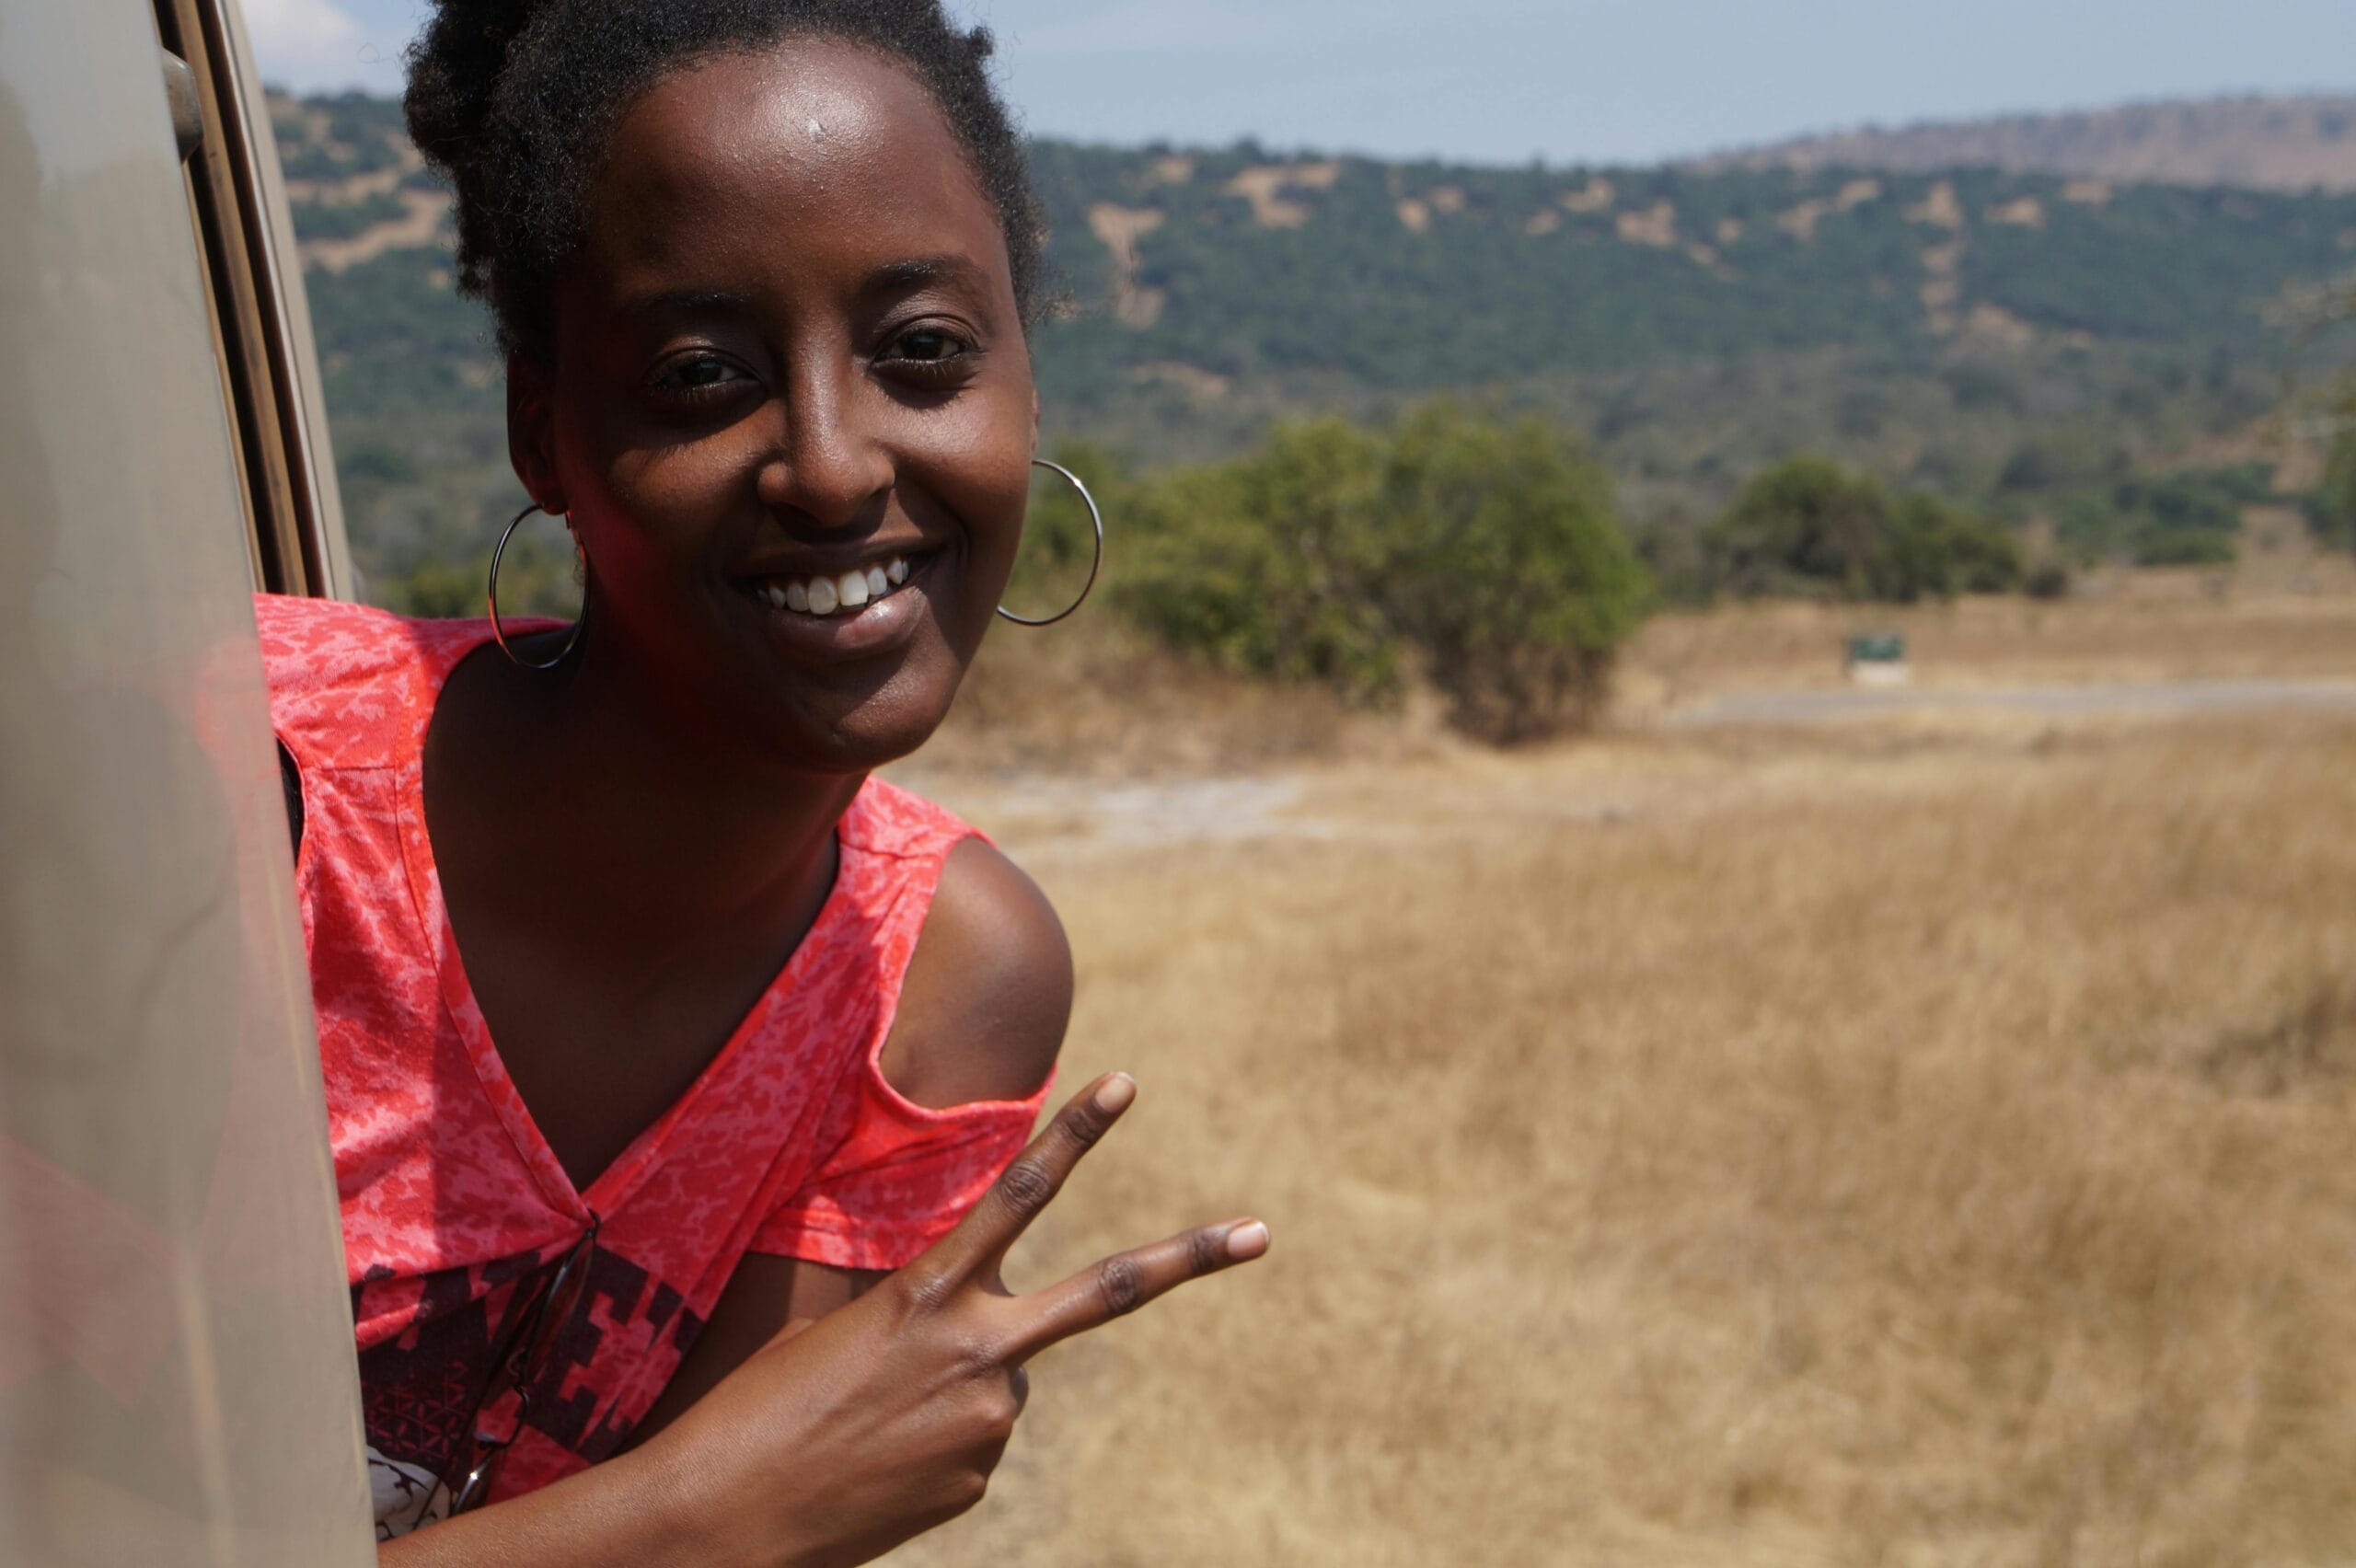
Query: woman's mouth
pixel 821 594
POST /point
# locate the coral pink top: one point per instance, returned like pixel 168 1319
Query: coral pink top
pixel 791 1142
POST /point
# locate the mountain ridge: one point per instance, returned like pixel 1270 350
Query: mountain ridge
pixel 2253 141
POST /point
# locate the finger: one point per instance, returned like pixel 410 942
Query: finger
pixel 1127 1281
pixel 1030 1183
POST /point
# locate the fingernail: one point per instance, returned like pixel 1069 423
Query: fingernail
pixel 1248 1240
pixel 1115 1094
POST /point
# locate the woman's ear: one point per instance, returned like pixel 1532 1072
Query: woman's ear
pixel 531 433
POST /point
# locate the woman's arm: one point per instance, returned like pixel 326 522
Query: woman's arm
pixel 831 1446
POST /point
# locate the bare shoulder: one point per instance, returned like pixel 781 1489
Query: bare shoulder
pixel 989 992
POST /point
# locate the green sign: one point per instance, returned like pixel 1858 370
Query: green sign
pixel 1879 648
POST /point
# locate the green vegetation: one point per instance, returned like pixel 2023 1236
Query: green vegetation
pixel 2187 518
pixel 2331 511
pixel 2324 316
pixel 1809 527
pixel 1484 553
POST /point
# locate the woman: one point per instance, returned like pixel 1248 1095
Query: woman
pixel 765 1027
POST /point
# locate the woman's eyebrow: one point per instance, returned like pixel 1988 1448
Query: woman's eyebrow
pixel 916 271
pixel 686 302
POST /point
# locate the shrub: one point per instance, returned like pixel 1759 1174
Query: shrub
pixel 2184 546
pixel 2331 508
pixel 1509 571
pixel 1806 526
pixel 1267 563
pixel 1486 555
pixel 1809 527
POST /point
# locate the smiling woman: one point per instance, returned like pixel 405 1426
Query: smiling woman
pixel 656 1032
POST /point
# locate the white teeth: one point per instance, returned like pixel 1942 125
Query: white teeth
pixel 824 595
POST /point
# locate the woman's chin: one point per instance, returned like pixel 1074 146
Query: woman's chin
pixel 865 731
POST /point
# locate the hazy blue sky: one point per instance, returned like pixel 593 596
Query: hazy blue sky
pixel 1504 80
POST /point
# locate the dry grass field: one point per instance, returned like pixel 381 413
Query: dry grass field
pixel 1914 1142
pixel 2150 626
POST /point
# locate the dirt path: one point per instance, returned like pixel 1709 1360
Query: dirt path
pixel 1672 764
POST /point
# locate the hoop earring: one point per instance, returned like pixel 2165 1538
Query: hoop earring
pixel 490 596
pixel 1095 562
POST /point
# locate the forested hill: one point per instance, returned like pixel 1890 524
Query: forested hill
pixel 1421 275
pixel 1986 334
pixel 1200 267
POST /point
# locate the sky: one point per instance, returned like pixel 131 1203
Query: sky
pixel 1505 81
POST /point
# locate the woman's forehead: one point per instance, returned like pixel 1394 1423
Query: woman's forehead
pixel 811 142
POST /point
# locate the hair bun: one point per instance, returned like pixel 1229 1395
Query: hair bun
pixel 454 69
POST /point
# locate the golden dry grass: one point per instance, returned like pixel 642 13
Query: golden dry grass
pixel 1092 699
pixel 1910 1144
pixel 2149 626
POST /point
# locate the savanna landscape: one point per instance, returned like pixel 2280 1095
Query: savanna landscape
pixel 1912 1139
pixel 1694 1130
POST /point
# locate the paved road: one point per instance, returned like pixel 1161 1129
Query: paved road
pixel 2160 698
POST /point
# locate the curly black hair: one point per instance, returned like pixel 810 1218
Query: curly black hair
pixel 513 100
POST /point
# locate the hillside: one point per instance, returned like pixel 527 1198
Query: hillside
pixel 1201 268
pixel 1988 334
pixel 2265 143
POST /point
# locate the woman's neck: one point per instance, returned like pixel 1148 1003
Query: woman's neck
pixel 619 817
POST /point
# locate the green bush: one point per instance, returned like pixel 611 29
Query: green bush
pixel 1938 549
pixel 1804 527
pixel 1486 555
pixel 2184 546
pixel 1809 527
pixel 1268 563
pixel 2187 518
pixel 1509 571
pixel 2331 508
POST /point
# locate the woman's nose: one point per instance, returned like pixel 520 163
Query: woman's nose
pixel 829 465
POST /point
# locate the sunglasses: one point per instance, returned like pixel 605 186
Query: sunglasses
pixel 546 1307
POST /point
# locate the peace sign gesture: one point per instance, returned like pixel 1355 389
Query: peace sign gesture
pixel 968 1260
pixel 886 1416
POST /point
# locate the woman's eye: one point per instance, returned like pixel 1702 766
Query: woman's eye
pixel 700 376
pixel 928 347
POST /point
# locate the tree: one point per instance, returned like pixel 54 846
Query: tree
pixel 1809 527
pixel 1265 562
pixel 2331 510
pixel 1806 525
pixel 1485 555
pixel 1509 574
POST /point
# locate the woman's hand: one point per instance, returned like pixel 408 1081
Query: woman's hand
pixel 885 1417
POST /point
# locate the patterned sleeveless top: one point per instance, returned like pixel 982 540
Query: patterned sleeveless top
pixel 789 1143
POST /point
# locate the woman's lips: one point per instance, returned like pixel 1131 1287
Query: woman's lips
pixel 837 617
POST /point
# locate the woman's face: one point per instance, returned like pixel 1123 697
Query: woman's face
pixel 788 367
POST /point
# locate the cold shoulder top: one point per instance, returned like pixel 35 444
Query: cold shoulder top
pixel 791 1142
